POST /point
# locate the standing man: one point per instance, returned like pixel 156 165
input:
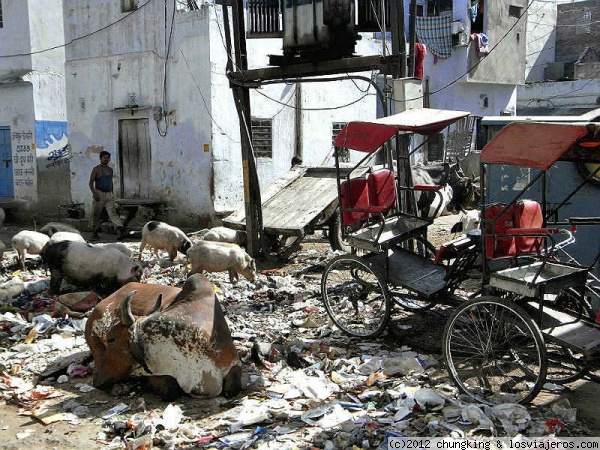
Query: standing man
pixel 101 185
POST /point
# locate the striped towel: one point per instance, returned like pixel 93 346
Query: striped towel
pixel 436 33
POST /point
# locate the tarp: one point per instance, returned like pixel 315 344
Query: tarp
pixel 534 145
pixel 369 136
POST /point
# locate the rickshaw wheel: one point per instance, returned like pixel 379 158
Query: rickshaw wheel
pixel 564 366
pixel 356 297
pixel 494 351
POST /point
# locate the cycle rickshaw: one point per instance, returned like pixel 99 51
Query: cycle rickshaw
pixel 495 342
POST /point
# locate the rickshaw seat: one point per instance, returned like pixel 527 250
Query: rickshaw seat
pixel 355 196
pixel 524 214
pixel 527 214
pixel 382 190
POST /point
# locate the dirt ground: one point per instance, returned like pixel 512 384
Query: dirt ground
pixel 18 430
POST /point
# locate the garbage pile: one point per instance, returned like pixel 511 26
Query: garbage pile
pixel 306 385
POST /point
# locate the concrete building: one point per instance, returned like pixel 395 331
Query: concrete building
pixel 479 78
pixel 149 85
pixel 34 172
pixel 147 82
pixel 571 75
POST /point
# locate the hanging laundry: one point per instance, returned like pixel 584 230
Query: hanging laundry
pixel 481 41
pixel 473 12
pixel 420 52
pixel 436 34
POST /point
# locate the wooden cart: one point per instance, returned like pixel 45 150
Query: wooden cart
pixel 303 200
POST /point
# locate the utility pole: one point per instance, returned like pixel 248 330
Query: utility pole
pixel 412 37
pixel 398 36
pixel 241 96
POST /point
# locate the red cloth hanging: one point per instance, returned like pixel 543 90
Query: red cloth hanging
pixel 420 52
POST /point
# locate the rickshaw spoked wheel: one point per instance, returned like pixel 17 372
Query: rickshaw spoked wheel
pixel 356 297
pixel 494 351
pixel 564 365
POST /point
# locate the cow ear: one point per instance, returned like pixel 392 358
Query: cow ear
pixel 157 305
pixel 126 315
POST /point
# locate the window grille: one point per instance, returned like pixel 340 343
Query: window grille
pixel 370 17
pixel 129 5
pixel 262 138
pixel 437 7
pixel 514 11
pixel 264 19
pixel 1 22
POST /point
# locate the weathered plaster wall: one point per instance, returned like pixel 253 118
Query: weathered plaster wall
pixel 507 38
pixel 49 96
pixel 17 113
pixel 450 87
pixel 575 94
pixel 106 70
pixel 321 105
pixel 541 39
pixel 577 28
pixel 14 36
pixel 30 28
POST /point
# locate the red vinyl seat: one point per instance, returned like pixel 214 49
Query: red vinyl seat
pixel 524 214
pixel 382 190
pixel 355 201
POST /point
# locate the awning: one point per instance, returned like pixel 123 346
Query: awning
pixel 539 145
pixel 369 136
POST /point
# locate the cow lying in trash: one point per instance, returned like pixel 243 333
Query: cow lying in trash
pixel 177 338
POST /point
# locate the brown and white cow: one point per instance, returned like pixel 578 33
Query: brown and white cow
pixel 178 338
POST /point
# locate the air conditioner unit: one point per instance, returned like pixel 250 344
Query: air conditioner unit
pixel 460 39
pixel 457 27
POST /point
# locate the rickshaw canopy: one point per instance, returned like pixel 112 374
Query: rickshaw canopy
pixel 539 145
pixel 369 136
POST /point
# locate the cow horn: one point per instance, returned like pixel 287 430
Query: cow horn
pixel 126 314
pixel 157 305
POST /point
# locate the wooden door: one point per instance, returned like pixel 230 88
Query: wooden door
pixel 134 158
pixel 6 166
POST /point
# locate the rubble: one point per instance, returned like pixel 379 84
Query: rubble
pixel 306 384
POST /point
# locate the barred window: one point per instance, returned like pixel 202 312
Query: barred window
pixel 129 5
pixel 336 127
pixel 264 19
pixel 1 22
pixel 262 138
pixel 514 11
pixel 438 7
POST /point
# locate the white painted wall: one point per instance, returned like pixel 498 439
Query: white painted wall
pixel 128 58
pixel 31 28
pixel 17 112
pixel 14 36
pixel 278 102
pixel 560 94
pixel 541 38
pixel 448 85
